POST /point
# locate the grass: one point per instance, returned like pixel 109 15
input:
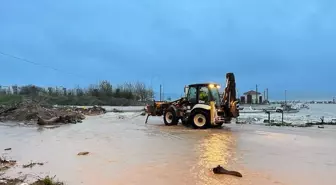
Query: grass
pixel 10 99
pixel 86 100
pixel 47 181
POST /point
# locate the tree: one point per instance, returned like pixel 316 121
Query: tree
pixel 30 90
pixel 64 91
pixel 50 91
pixel 100 93
pixel 93 90
pixel 141 91
pixel 79 91
pixel 105 88
pixel 118 93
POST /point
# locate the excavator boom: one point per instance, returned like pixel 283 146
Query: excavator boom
pixel 229 100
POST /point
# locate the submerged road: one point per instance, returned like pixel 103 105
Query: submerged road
pixel 127 151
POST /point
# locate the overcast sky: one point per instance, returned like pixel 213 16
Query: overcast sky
pixel 279 44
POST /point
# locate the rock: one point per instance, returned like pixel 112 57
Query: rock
pixel 220 170
pixel 117 110
pixel 83 153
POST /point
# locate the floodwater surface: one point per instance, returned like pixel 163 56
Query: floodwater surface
pixel 128 151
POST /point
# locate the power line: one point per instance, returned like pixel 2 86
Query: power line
pixel 79 76
pixel 38 64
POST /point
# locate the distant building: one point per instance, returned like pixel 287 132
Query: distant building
pixel 251 97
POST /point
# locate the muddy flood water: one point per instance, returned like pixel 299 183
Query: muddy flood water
pixel 128 151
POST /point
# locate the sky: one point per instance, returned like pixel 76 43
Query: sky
pixel 276 44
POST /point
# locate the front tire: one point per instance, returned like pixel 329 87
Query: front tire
pixel 170 118
pixel 200 119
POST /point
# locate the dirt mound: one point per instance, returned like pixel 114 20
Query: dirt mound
pixel 42 115
pixel 95 110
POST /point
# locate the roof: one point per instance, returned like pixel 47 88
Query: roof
pixel 251 93
pixel 202 84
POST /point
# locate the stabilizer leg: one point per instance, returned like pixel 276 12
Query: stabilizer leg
pixel 147 118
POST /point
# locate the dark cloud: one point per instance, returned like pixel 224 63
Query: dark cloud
pixel 262 41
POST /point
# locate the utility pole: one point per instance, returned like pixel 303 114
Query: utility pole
pixel 267 93
pixel 163 97
pixel 285 97
pixel 256 94
pixel 264 95
pixel 160 92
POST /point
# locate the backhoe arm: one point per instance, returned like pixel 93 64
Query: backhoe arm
pixel 229 101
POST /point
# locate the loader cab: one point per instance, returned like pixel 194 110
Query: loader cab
pixel 202 93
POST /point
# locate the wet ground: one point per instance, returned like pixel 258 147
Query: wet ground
pixel 127 151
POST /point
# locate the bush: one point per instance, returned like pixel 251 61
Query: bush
pixel 102 94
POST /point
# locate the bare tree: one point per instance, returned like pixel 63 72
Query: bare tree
pixel 105 88
pixel 141 91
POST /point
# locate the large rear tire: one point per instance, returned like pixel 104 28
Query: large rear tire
pixel 170 118
pixel 200 119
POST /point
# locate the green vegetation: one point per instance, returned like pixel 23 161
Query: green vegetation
pixel 101 94
pixel 47 181
pixel 43 181
pixel 9 99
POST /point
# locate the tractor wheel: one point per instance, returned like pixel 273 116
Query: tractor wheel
pixel 200 119
pixel 170 118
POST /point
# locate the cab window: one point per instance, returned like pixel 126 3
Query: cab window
pixel 192 98
pixel 203 96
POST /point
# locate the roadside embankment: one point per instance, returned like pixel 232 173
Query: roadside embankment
pixel 32 112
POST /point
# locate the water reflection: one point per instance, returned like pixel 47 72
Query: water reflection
pixel 128 152
pixel 216 149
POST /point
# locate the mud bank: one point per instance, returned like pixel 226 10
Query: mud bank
pixel 35 113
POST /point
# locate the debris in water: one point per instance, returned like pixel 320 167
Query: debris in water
pixel 3 168
pixel 10 162
pixel 83 153
pixel 6 164
pixel 117 110
pixel 221 170
pixel 6 149
pixel 6 181
pixel 31 164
